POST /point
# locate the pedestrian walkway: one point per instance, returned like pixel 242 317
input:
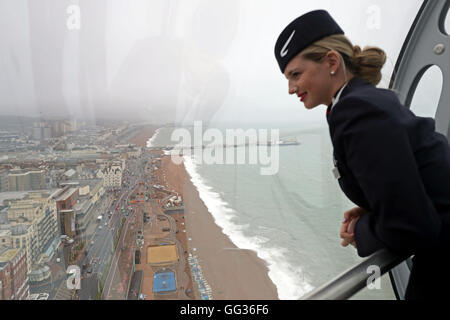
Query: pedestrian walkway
pixel 63 293
pixel 136 285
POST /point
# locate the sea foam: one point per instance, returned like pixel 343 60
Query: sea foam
pixel 288 279
pixel 153 138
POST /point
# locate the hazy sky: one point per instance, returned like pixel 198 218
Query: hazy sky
pixel 165 60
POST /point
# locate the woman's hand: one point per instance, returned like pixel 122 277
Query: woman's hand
pixel 348 226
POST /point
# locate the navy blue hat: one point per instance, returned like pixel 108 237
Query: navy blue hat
pixel 303 32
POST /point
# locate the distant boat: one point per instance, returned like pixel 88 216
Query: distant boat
pixel 288 142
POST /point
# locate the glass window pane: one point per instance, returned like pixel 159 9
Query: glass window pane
pixel 81 81
pixel 428 93
pixel 447 22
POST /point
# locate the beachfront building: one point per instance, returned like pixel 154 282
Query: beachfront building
pixel 112 175
pixel 133 151
pixel 32 225
pixel 13 274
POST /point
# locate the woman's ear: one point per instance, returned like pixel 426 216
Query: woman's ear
pixel 333 60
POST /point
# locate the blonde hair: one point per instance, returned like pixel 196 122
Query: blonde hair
pixel 365 64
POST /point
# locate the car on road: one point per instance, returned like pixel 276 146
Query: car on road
pixel 89 270
pixel 106 223
pixel 100 227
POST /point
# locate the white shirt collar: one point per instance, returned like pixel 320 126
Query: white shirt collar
pixel 334 101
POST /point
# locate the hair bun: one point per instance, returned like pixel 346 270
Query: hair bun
pixel 356 50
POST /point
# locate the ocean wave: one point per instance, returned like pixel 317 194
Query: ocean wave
pixel 289 279
pixel 153 138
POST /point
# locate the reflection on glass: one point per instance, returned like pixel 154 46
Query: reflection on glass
pixel 447 22
pixel 428 92
pixel 91 207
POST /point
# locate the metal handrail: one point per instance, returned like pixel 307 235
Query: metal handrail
pixel 353 280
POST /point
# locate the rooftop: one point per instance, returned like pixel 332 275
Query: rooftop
pixel 69 173
pixel 67 194
pixel 8 254
pixel 4 233
pixel 82 183
pixel 19 229
pixel 19 195
pixel 83 205
pixel 4 216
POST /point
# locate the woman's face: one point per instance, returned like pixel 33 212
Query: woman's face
pixel 312 82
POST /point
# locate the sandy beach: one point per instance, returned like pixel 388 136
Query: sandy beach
pixel 143 136
pixel 232 273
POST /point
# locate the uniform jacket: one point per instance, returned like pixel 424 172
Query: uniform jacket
pixel 393 164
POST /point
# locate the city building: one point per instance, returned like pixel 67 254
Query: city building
pixel 5 238
pixel 42 131
pixel 32 225
pixel 5 280
pixel 39 272
pixel 13 274
pixel 23 236
pixel 4 180
pixel 131 150
pixel 112 175
pixel 20 180
pixel 66 199
pixel 134 152
pixel 89 192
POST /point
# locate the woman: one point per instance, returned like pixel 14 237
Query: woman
pixel 388 161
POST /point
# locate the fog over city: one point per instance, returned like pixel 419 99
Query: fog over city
pixel 170 60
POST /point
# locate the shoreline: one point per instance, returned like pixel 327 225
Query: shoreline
pixel 231 273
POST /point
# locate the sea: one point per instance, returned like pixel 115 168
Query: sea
pixel 290 218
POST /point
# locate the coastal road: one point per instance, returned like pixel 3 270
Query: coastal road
pixel 114 276
pixel 100 236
